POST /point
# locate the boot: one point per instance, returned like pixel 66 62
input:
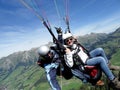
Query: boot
pixel 100 83
pixel 115 84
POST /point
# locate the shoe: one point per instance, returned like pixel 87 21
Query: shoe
pixel 115 84
pixel 100 83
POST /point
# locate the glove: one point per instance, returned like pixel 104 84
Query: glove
pixel 59 30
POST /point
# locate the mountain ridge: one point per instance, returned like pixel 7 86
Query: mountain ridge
pixel 30 56
pixel 22 68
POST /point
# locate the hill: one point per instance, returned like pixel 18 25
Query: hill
pixel 20 71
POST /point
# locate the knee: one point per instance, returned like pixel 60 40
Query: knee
pixel 100 49
pixel 101 59
pixel 51 78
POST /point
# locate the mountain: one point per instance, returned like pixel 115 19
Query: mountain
pixel 19 70
pixel 90 39
pixel 109 42
pixel 17 59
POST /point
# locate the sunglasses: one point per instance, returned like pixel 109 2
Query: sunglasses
pixel 69 39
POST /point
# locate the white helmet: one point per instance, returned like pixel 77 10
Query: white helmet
pixel 66 35
pixel 43 50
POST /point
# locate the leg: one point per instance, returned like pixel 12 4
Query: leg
pixel 103 65
pixel 99 52
pixel 51 77
pixel 77 73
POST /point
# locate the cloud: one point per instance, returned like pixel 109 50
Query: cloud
pixel 9 48
pixel 104 26
pixel 21 38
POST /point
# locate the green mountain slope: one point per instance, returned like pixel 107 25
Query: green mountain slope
pixel 116 58
pixel 33 78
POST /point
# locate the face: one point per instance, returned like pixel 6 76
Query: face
pixel 69 41
pixel 48 55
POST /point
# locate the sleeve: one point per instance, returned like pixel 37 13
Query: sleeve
pixel 40 62
pixel 60 38
pixel 69 59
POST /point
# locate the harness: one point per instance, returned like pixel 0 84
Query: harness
pixel 94 72
pixel 77 60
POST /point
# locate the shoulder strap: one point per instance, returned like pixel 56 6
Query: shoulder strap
pixel 76 58
pixel 85 50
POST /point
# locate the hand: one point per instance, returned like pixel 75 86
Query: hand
pixel 38 62
pixel 67 50
pixel 59 30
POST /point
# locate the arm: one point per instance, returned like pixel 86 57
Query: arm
pixel 40 62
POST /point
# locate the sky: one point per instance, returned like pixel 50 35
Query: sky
pixel 21 29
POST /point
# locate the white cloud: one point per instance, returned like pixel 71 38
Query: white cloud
pixel 104 26
pixel 21 46
pixel 20 41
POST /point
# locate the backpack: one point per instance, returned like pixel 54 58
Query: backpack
pixel 64 70
pixel 94 72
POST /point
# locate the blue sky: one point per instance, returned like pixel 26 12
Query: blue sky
pixel 21 29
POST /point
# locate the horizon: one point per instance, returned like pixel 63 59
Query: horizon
pixel 50 41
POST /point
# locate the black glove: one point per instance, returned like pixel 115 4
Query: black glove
pixel 58 30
